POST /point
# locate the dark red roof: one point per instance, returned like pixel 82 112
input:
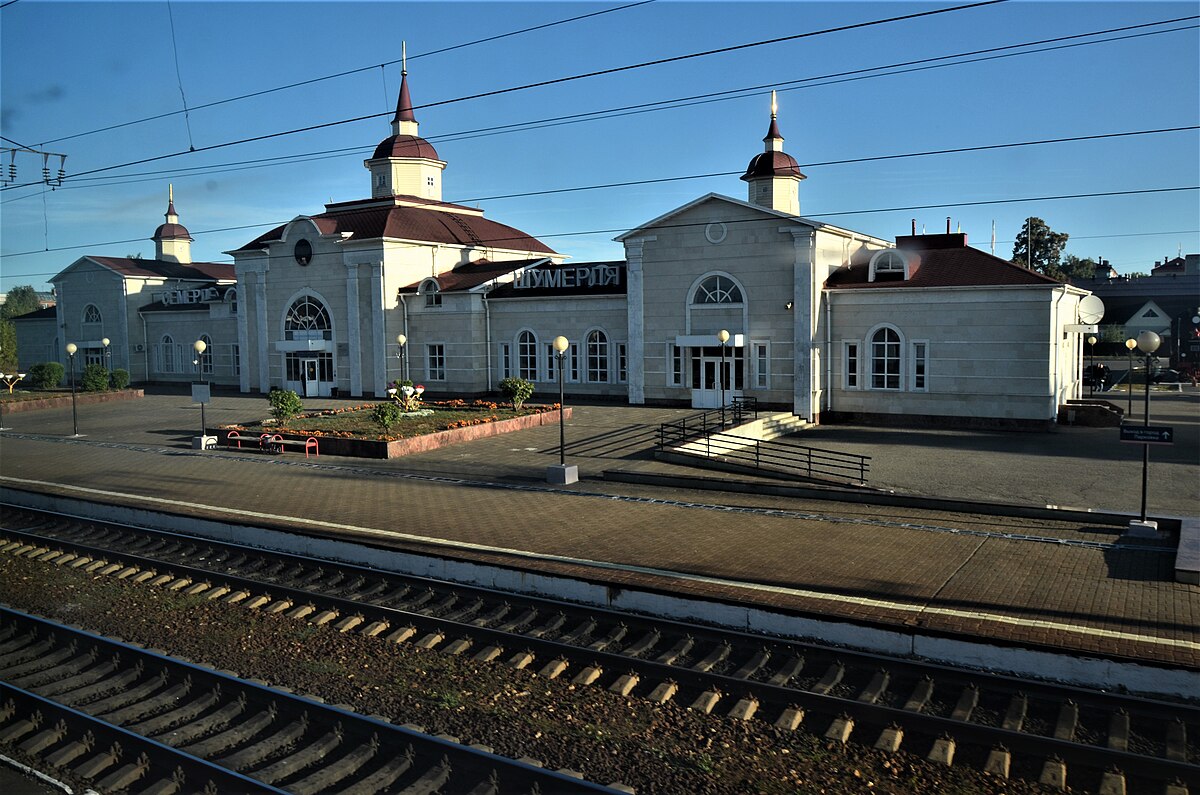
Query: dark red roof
pixel 941 261
pixel 404 110
pixel 773 131
pixel 773 164
pixel 414 223
pixel 171 232
pixel 164 269
pixel 405 146
pixel 473 274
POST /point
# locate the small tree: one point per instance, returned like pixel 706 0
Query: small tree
pixel 120 378
pixel 285 405
pixel 386 414
pixel 94 379
pixel 1039 248
pixel 516 391
pixel 46 375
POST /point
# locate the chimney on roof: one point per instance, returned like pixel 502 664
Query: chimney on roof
pixel 947 224
pixel 914 226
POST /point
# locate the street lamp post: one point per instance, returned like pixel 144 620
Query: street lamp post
pixel 1130 344
pixel 107 358
pixel 400 342
pixel 722 338
pixel 200 346
pixel 1147 343
pixel 71 348
pixel 562 474
pixel 1092 367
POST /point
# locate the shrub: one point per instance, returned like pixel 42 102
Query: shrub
pixel 386 414
pixel 46 375
pixel 95 378
pixel 120 378
pixel 516 391
pixel 285 404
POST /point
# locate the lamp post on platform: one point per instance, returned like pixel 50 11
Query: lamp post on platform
pixel 200 346
pixel 107 359
pixel 1147 343
pixel 1092 367
pixel 722 338
pixel 401 340
pixel 562 474
pixel 71 349
pixel 1130 344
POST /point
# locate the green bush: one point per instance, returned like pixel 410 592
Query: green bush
pixel 285 404
pixel 516 391
pixel 120 378
pixel 94 379
pixel 386 414
pixel 46 375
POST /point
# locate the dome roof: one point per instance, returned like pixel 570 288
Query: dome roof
pixel 772 164
pixel 405 146
pixel 171 232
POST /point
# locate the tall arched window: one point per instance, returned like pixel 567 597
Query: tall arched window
pixel 91 314
pixel 717 290
pixel 433 296
pixel 527 356
pixel 597 357
pixel 93 323
pixel 885 359
pixel 206 358
pixel 307 319
pixel 166 354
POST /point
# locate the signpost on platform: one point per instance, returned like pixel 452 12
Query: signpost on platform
pixel 1148 434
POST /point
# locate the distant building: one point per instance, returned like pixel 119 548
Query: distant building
pixel 823 320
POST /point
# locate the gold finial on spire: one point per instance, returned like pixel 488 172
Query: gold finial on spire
pixel 170 192
pixel 403 57
pixel 774 104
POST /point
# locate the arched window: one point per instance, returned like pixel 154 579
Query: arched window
pixel 206 358
pixel 91 314
pixel 307 319
pixel 885 359
pixel 717 290
pixel 888 264
pixel 527 356
pixel 433 296
pixel 231 298
pixel 166 354
pixel 597 357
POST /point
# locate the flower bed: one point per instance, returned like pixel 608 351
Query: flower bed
pixel 26 403
pixel 395 445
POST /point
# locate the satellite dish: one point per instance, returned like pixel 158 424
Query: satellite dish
pixel 1091 309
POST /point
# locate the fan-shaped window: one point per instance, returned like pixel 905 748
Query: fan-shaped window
pixel 307 319
pixel 717 290
pixel 597 357
pixel 527 356
pixel 885 359
pixel 433 296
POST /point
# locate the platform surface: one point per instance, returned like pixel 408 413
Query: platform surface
pixel 1072 586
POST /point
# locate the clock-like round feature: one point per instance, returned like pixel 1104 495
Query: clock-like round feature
pixel 303 252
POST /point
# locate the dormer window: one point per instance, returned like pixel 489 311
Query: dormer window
pixel 429 289
pixel 889 265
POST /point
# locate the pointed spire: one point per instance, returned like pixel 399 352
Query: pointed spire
pixel 404 112
pixel 172 216
pixel 773 139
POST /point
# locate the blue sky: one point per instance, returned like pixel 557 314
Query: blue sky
pixel 70 69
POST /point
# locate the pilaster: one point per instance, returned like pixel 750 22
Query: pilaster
pixel 378 326
pixel 353 328
pixel 804 382
pixel 636 320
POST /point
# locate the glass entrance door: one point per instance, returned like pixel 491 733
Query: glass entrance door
pixel 707 380
pixel 312 386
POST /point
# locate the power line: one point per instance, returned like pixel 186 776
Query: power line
pixel 555 81
pixel 349 72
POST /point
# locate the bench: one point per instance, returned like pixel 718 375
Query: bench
pixel 275 443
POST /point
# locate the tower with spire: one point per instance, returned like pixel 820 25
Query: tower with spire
pixel 405 164
pixel 172 241
pixel 773 177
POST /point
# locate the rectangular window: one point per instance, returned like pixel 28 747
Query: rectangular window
pixel 237 360
pixel 762 365
pixel 850 362
pixel 433 300
pixel 435 362
pixel 527 357
pixel 573 364
pixel 504 360
pixel 920 364
pixel 622 363
pixel 551 363
pixel 675 355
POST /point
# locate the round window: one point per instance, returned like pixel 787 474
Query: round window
pixel 303 252
pixel 715 232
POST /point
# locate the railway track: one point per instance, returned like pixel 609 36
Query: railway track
pixel 1060 735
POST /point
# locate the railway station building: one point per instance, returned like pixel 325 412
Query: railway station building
pixel 825 321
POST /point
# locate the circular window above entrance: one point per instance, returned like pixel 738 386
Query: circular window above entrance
pixel 715 232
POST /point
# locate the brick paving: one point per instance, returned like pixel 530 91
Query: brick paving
pixel 942 572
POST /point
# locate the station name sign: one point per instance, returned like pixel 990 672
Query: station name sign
pixel 570 277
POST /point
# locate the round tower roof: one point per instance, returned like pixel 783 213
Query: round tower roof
pixel 772 164
pixel 405 146
pixel 172 232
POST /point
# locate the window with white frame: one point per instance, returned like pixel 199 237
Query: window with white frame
pixel 920 366
pixel 573 364
pixel 527 356
pixel 206 358
pixel 433 296
pixel 504 360
pixel 762 364
pixel 597 357
pixel 435 362
pixel 622 363
pixel 886 265
pixel 551 362
pixel 675 361
pixel 307 318
pixel 850 364
pixel 717 289
pixel 237 359
pixel 166 354
pixel 885 359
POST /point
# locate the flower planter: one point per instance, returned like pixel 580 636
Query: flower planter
pixel 61 401
pixel 370 448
